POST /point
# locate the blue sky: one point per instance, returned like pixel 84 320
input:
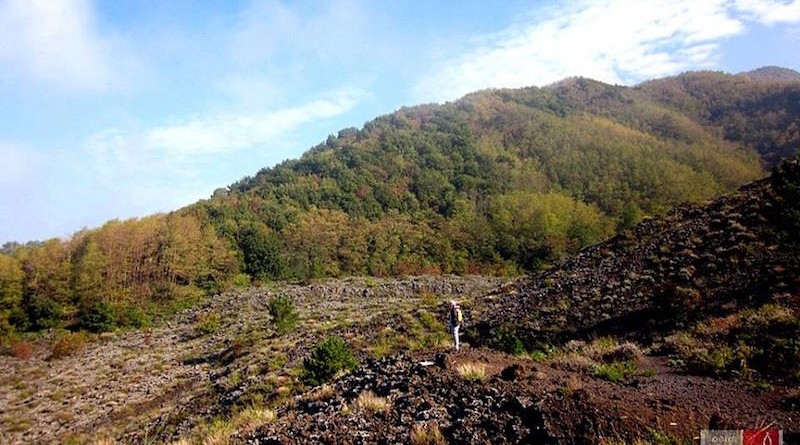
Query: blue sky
pixel 123 108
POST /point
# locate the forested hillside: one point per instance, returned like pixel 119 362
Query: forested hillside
pixel 500 181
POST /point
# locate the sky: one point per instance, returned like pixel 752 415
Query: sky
pixel 116 109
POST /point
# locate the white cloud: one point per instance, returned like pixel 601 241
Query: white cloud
pixel 54 42
pixel 771 12
pixel 229 132
pixel 169 165
pixel 616 41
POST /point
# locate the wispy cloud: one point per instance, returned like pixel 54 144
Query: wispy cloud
pixel 168 165
pixel 186 139
pixel 617 41
pixel 56 43
pixel 771 12
pixel 278 46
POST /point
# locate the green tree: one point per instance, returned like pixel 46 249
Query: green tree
pixel 284 315
pixel 89 269
pixel 99 317
pixel 262 252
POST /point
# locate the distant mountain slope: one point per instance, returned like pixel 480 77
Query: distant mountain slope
pixel 758 109
pixel 722 275
pixel 511 177
pixel 773 74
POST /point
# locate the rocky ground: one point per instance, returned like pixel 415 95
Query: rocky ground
pixel 158 384
pixel 518 401
pixel 661 276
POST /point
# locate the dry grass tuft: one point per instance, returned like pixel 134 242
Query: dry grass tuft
pixel 429 434
pixel 219 433
pixel 622 352
pixel 573 362
pixel 368 401
pixel 253 418
pixel 105 441
pixel 471 371
pixel 323 392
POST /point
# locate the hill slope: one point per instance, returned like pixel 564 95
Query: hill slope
pixel 723 275
pixel 516 176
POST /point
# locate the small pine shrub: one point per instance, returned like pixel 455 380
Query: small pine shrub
pixel 68 344
pixel 326 360
pixel 99 317
pixel 283 313
pixel 506 340
pixel 208 323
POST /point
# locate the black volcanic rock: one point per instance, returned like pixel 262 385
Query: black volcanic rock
pixel 660 276
pixel 466 412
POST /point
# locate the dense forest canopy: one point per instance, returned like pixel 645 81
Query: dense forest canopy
pixel 501 181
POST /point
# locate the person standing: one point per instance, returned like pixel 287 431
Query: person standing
pixel 454 319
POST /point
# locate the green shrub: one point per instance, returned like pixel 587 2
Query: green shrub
pixel 714 360
pixel 100 317
pixel 6 327
pixel 543 351
pixel 208 323
pixel 45 313
pixel 765 340
pixel 326 359
pixel 241 280
pixel 506 340
pixel 284 316
pixel 615 371
pixel 133 316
